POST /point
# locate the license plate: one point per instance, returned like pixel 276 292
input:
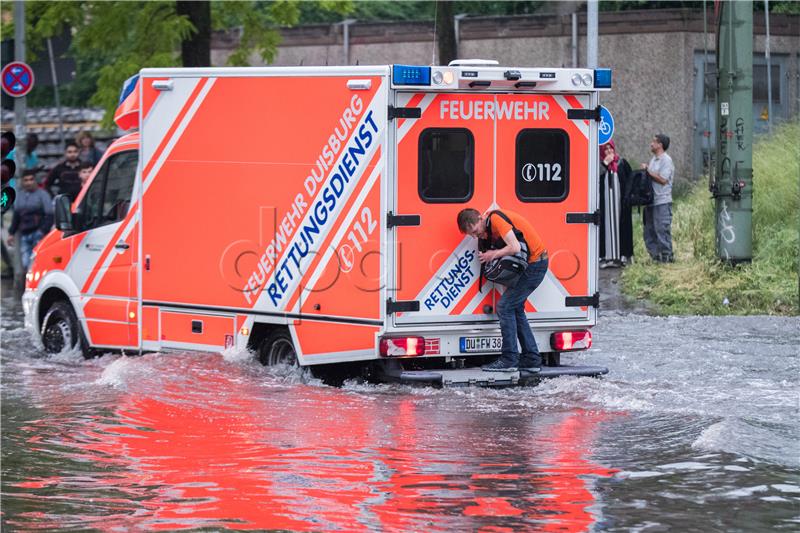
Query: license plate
pixel 480 344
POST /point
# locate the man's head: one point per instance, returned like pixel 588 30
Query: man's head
pixel 71 152
pixel 659 144
pixel 31 142
pixel 470 222
pixel 29 180
pixel 85 171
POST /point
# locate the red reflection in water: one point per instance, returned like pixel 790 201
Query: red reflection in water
pixel 224 452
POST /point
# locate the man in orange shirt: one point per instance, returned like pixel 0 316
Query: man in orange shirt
pixel 511 307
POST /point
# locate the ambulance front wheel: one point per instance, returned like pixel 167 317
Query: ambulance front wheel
pixel 277 349
pixel 61 330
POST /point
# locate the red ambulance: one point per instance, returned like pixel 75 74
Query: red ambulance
pixel 309 214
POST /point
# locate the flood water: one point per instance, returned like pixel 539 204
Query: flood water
pixel 695 428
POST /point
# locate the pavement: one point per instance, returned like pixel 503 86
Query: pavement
pixel 612 299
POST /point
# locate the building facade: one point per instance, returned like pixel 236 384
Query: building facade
pixel 657 57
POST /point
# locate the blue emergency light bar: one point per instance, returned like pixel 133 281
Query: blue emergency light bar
pixel 411 75
pixel 602 78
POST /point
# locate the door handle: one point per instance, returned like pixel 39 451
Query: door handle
pixel 122 245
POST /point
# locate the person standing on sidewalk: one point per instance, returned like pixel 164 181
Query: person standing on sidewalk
pixel 511 307
pixel 616 227
pixel 658 215
pixel 33 217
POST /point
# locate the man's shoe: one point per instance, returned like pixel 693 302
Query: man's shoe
pixel 529 364
pixel 500 365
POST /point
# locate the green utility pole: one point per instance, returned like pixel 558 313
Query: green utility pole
pixel 733 184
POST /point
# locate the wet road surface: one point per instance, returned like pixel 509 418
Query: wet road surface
pixel 694 429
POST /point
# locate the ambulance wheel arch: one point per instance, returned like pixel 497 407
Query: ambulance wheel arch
pixel 272 344
pixel 57 287
pixel 60 328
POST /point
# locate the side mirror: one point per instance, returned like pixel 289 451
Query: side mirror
pixel 63 212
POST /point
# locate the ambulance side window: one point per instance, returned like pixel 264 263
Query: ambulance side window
pixel 109 196
pixel 119 186
pixel 542 168
pixel 446 172
pixel 88 214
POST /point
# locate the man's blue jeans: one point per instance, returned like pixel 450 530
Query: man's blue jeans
pixel 513 322
pixel 27 242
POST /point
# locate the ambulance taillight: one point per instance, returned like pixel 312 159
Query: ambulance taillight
pixel 402 346
pixel 566 341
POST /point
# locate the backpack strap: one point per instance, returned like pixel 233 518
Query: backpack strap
pixel 517 232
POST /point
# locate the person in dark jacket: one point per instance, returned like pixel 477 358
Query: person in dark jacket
pixel 616 229
pixel 33 217
pixel 65 178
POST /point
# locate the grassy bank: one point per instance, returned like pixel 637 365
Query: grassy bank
pixel 697 283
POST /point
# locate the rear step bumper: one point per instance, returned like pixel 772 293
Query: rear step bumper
pixel 477 377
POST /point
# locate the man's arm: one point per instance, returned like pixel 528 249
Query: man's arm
pixel 512 246
pixel 662 177
pixel 47 220
pixel 15 220
pixel 52 179
pixel 654 176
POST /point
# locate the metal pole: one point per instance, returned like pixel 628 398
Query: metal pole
pixel 574 40
pixel 346 45
pixel 591 34
pixel 55 91
pixel 20 104
pixel 733 193
pixel 707 132
pixel 20 110
pixel 769 68
pixel 457 28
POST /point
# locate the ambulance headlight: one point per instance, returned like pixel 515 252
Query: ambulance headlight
pixel 576 79
pixel 587 80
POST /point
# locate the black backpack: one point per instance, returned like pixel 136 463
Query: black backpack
pixel 641 189
pixel 505 270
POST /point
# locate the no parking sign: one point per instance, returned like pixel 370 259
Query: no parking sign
pixel 17 79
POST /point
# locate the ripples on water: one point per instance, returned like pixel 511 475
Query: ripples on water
pixel 694 429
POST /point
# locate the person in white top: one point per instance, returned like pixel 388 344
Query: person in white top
pixel 658 216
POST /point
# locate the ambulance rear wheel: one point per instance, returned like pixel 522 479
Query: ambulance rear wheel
pixel 61 330
pixel 277 349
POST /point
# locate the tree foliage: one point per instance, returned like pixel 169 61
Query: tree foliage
pixel 390 10
pixel 112 40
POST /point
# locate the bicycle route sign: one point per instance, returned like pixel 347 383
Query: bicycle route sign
pixel 606 130
pixel 17 79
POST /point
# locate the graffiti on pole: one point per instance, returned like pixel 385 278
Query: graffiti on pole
pixel 740 137
pixel 726 231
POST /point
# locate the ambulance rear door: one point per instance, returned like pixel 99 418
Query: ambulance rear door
pixel 444 163
pixel 545 166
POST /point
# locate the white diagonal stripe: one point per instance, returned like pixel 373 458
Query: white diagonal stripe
pixel 178 132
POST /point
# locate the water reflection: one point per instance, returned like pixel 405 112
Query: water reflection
pixel 184 444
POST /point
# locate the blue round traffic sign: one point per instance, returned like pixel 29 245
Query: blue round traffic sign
pixel 17 79
pixel 606 130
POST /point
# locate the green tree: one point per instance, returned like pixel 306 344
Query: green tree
pixel 121 37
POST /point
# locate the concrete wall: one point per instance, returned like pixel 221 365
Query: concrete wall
pixel 651 54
